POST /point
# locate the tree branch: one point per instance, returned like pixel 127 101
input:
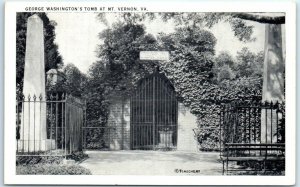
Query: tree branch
pixel 260 18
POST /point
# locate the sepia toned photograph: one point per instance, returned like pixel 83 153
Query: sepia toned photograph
pixel 145 93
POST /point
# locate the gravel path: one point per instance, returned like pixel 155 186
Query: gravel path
pixel 152 163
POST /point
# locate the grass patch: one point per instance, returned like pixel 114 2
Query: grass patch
pixel 51 169
pixel 51 165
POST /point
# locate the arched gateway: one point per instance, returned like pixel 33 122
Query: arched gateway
pixel 154 114
pixel 151 119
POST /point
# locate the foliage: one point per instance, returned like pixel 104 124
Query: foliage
pixel 78 156
pixel 190 66
pixel 97 138
pixel 225 73
pixel 246 64
pixel 236 79
pixel 72 82
pixel 51 169
pixel 50 165
pixel 52 57
pixel 224 58
pixel 272 168
pixel 131 18
pixel 191 71
pixel 119 68
pixel 208 139
pixel 116 73
pixel 281 124
pixel 120 53
pixel 75 80
pixel 202 81
pixel 240 28
pixel 249 64
pixel 30 160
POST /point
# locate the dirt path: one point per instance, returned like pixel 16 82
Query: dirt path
pixel 152 163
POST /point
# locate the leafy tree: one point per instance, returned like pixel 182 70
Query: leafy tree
pixel 207 20
pixel 249 64
pixel 224 58
pixel 120 53
pixel 225 73
pixel 96 88
pixel 119 67
pixel 237 21
pixel 246 64
pixel 52 57
pixel 130 18
pixel 223 67
pixel 73 82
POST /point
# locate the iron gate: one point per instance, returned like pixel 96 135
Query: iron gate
pixel 154 113
pixel 49 126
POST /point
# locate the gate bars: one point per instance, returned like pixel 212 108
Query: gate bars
pixel 62 133
pixel 154 110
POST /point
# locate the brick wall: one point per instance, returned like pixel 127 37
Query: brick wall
pixel 186 123
pixel 119 123
pixel 119 120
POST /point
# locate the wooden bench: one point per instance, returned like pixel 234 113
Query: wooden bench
pixel 264 152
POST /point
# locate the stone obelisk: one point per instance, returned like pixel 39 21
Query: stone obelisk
pixel 273 79
pixel 33 124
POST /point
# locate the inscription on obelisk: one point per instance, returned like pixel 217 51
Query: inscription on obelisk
pixel 33 127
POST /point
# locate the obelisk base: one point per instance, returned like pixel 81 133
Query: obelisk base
pixel 35 146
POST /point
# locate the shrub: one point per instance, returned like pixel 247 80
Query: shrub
pixel 51 169
pixel 209 139
pixel 273 168
pixel 78 156
pixel 21 160
pixel 51 165
pixel 25 160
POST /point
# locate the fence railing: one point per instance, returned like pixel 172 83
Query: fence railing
pixel 253 133
pixel 49 126
pixel 252 123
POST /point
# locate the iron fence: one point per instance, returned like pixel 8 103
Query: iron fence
pixel 253 135
pixel 261 122
pixel 49 126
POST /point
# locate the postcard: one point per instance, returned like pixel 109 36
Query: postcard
pixel 140 93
